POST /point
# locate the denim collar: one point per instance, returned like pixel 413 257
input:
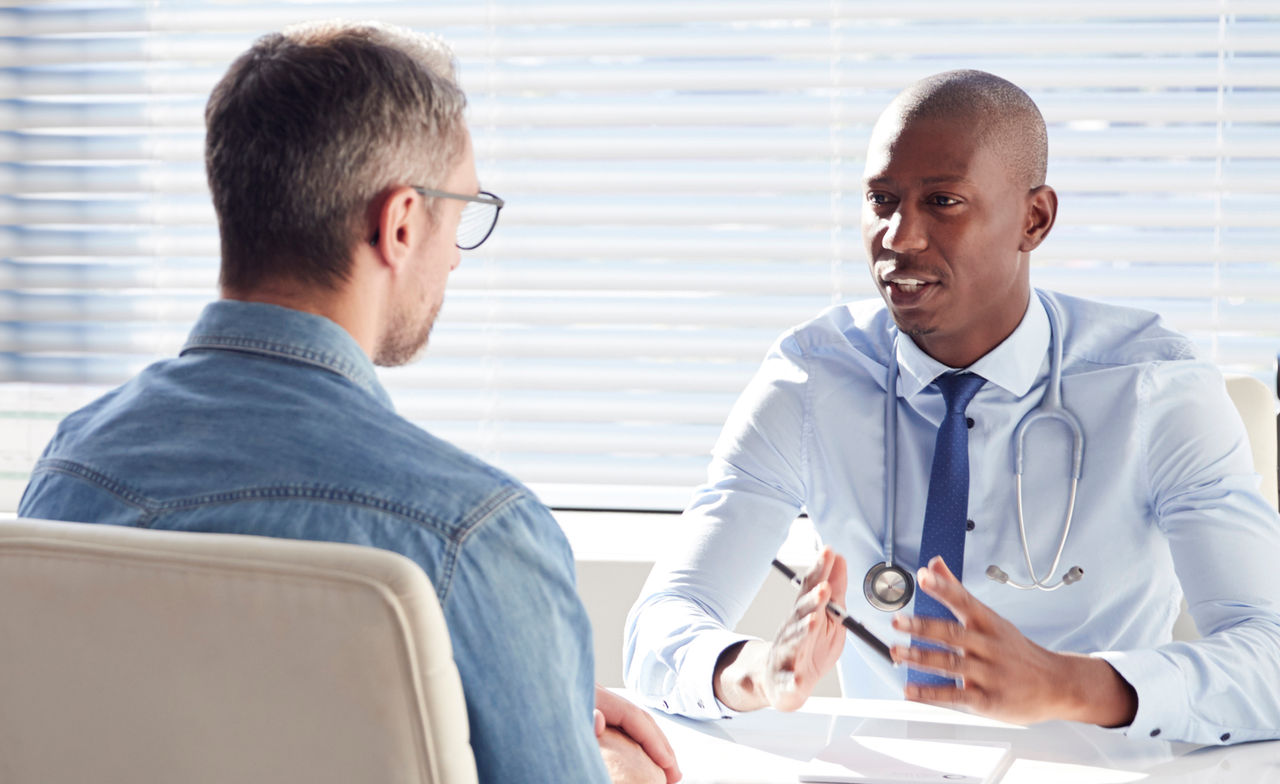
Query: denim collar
pixel 1013 365
pixel 287 334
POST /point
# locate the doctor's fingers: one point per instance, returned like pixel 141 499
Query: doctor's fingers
pixel 982 683
pixel 984 691
pixel 820 572
pixel 811 630
pixel 938 581
pixel 945 662
pixel 796 659
pixel 984 639
pixel 939 630
pixel 812 601
pixel 838 578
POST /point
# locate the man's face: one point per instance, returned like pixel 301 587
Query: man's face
pixel 418 301
pixel 943 223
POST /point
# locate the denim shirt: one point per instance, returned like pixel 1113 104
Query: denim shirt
pixel 272 422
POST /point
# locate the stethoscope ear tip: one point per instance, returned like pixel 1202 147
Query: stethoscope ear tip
pixel 1073 575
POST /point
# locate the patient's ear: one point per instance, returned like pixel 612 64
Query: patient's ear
pixel 1042 210
pixel 393 237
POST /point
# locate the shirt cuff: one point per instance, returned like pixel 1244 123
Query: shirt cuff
pixel 1162 693
pixel 695 686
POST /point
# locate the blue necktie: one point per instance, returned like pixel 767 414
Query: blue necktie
pixel 947 506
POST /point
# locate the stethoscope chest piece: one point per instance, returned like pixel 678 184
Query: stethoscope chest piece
pixel 888 587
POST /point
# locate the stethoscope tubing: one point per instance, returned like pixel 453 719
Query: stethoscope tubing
pixel 1049 409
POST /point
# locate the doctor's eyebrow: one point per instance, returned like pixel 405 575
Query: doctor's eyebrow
pixel 942 178
pixel 938 179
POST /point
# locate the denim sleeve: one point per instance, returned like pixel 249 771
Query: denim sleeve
pixel 1225 541
pixel 522 643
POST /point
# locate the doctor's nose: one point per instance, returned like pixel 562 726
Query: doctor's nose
pixel 904 234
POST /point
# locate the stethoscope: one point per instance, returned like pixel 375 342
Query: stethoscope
pixel 888 586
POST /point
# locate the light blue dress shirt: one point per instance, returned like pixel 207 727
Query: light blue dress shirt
pixel 272 422
pixel 1168 503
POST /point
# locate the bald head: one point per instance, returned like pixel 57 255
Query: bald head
pixel 1000 115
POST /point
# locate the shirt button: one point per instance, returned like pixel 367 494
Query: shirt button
pixel 700 705
pixel 969 422
pixel 969 525
pixel 1155 732
pixel 1226 736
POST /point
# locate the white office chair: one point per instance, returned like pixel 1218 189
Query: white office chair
pixel 1257 408
pixel 135 656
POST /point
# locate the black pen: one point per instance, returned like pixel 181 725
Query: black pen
pixel 858 629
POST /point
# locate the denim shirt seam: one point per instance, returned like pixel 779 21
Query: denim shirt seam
pixel 313 492
pixel 150 509
pixel 326 360
pixel 103 481
pixel 477 517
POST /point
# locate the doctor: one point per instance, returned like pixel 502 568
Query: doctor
pixel 922 484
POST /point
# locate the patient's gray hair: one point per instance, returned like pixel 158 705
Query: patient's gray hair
pixel 305 131
pixel 1002 113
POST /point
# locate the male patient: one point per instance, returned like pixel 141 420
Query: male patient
pixel 343 178
pixel 954 202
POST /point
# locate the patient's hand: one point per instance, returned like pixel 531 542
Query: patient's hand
pixel 626 761
pixel 637 725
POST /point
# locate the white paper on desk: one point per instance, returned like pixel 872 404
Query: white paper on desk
pixel 870 760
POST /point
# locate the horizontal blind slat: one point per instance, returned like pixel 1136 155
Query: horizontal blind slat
pixel 683 183
pixel 785 111
pixel 530 179
pixel 692 143
pixel 503 79
pixel 797 212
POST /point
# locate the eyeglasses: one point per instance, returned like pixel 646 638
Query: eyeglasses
pixel 479 216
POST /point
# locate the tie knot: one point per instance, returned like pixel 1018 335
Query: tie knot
pixel 958 389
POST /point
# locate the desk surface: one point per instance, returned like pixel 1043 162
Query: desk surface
pixel 767 746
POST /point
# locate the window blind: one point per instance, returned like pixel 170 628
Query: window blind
pixel 682 182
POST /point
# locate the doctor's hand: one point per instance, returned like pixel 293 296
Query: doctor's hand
pixel 1003 674
pixel 782 674
pixel 616 714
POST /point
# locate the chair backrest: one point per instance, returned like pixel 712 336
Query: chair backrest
pixel 1257 407
pixel 1258 410
pixel 131 655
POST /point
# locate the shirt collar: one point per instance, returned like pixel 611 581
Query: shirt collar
pixel 1013 365
pixel 285 334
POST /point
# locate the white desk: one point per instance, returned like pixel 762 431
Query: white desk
pixel 767 746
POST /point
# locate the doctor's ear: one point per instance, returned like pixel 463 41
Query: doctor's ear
pixel 1042 211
